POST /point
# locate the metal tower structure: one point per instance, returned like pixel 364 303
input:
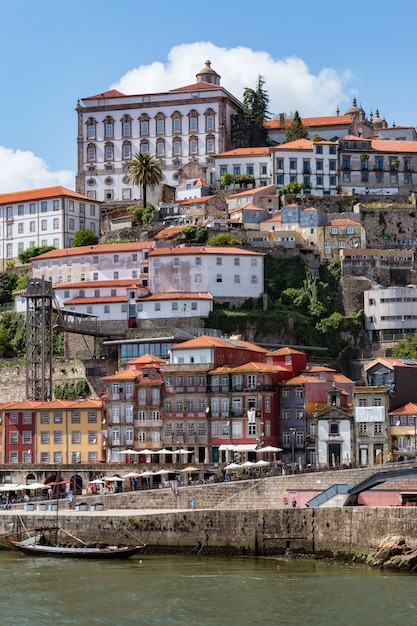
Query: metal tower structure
pixel 39 298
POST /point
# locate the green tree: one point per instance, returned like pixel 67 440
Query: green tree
pixel 12 335
pixel 406 348
pixel 244 180
pixel 227 179
pixel 142 216
pixel 223 239
pixel 84 238
pixel 296 129
pixel 248 126
pixel 196 234
pixel 30 253
pixel 292 188
pixel 144 171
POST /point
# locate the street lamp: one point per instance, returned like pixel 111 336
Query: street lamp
pixel 75 460
pixel 292 431
pixel 179 463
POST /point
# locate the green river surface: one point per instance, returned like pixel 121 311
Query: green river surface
pixel 203 591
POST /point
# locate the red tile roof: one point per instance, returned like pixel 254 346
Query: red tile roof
pixel 244 152
pixel 407 409
pixel 37 194
pixel 193 250
pixel 112 93
pixel 248 192
pixel 327 120
pixel 92 300
pixel 104 248
pixel 176 296
pixel 171 231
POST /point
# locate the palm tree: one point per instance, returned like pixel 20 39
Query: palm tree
pixel 144 169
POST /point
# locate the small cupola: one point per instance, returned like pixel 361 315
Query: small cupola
pixel 208 75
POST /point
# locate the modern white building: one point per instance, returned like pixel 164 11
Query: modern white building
pixel 43 217
pixel 183 127
pixel 390 313
pixel 227 273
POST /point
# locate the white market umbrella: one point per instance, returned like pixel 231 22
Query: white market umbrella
pixel 190 469
pixel 269 449
pixel 96 481
pixel 232 466
pixel 114 478
pixel 165 451
pixel 130 452
pixel 37 486
pixel 9 487
pixel 164 471
pixel 261 463
pixel 131 475
pixel 248 464
pixel 147 473
pixel 146 451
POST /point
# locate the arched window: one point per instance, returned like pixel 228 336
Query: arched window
pixel 193 121
pixel 176 146
pixel 193 145
pixel 210 144
pixel 91 152
pixel 126 126
pixel 108 127
pixel 129 436
pixel 176 123
pixel 144 146
pixel 160 147
pixel 115 436
pixel 91 128
pixel 126 150
pixel 160 123
pixel 210 120
pixel 108 152
pixel 144 125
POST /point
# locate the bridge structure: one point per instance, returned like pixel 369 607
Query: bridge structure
pixel 43 316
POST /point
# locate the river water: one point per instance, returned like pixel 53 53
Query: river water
pixel 171 590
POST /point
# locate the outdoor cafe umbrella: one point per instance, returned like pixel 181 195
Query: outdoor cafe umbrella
pixel 164 471
pixel 37 486
pixel 261 463
pixel 131 475
pixel 114 478
pixel 147 473
pixel 269 449
pixel 189 469
pixel 232 466
pixel 165 451
pixel 248 464
pixel 96 481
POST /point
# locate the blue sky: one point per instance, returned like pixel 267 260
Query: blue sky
pixel 314 57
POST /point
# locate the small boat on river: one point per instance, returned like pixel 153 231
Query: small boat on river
pixel 54 541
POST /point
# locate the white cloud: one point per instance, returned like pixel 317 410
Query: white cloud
pixel 289 82
pixel 21 170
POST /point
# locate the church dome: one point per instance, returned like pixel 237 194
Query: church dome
pixel 353 109
pixel 208 75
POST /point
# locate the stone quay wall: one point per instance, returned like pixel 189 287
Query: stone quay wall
pixel 347 531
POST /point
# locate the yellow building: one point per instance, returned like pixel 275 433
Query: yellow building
pixel 56 432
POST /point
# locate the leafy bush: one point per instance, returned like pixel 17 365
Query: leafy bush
pixel 32 252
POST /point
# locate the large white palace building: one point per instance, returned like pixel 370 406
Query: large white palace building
pixel 183 127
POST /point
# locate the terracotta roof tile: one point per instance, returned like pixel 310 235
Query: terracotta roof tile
pixel 104 248
pixel 36 194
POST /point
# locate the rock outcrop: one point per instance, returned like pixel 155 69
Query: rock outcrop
pixel 394 553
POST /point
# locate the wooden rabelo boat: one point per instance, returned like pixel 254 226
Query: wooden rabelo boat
pixel 54 541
